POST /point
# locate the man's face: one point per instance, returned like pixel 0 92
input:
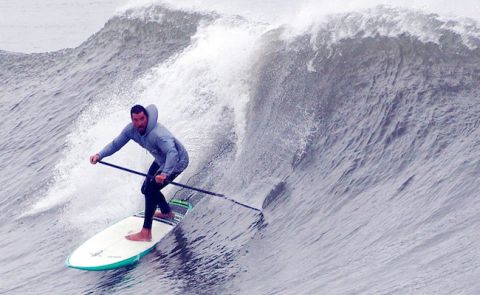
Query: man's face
pixel 140 121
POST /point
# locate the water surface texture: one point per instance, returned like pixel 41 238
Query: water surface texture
pixel 356 134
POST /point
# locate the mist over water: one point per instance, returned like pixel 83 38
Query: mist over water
pixel 307 11
pixel 354 127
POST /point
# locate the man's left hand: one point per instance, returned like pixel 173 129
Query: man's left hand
pixel 160 178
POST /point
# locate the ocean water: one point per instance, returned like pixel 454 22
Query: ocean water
pixel 355 131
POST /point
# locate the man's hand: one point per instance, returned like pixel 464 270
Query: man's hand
pixel 160 178
pixel 94 158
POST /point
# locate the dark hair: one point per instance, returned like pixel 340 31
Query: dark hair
pixel 137 109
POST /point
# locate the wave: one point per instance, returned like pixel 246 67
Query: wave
pixel 357 135
pixel 379 131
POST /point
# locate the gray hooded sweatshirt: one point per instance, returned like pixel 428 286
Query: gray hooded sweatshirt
pixel 168 152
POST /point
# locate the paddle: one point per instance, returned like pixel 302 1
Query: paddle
pixel 182 185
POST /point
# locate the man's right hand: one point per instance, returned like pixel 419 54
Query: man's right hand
pixel 94 158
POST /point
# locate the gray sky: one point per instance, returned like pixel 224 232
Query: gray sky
pixel 45 25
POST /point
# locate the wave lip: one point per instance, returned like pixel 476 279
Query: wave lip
pixel 389 22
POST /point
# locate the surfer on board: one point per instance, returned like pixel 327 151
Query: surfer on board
pixel 171 158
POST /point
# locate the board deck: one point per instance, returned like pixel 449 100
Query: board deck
pixel 109 249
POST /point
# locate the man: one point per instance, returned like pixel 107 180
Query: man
pixel 171 159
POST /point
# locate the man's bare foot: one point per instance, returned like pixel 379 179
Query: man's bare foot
pixel 159 214
pixel 145 235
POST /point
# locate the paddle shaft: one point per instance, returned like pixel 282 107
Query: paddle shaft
pixel 180 185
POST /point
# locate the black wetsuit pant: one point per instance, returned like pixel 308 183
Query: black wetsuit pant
pixel 153 196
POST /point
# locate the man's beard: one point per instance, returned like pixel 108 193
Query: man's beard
pixel 141 130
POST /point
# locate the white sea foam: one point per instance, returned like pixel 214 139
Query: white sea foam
pixel 289 12
pixel 384 21
pixel 422 19
pixel 195 88
pixel 192 91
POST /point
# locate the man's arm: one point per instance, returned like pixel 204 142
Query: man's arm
pixel 167 146
pixel 112 147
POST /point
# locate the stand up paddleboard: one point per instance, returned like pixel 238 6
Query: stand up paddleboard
pixel 110 249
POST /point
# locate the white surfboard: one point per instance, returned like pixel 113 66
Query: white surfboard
pixel 110 249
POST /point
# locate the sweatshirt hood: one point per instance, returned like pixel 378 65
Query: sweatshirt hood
pixel 152 117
